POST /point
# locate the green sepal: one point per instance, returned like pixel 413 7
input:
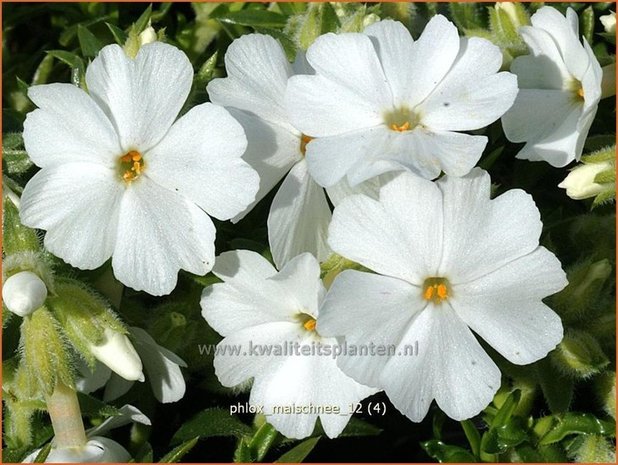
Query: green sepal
pixel 592 448
pixel 579 355
pixel 17 237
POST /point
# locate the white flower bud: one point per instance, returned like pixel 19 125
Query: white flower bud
pixel 96 450
pixel 119 355
pixel 609 22
pixel 147 36
pixel 580 184
pixel 511 11
pixel 23 293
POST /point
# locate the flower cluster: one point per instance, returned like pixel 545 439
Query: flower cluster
pixel 372 140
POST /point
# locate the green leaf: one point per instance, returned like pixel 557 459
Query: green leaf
pixel 577 423
pixel 587 22
pixel 251 18
pixel 473 436
pixel 445 453
pixel 119 35
pixel 506 410
pixel 88 42
pixel 214 422
pixel 207 70
pixel 242 454
pixel 94 408
pixel 466 15
pixel 142 21
pixel 176 454
pixel 557 388
pixel 69 58
pixel 43 453
pixel 262 440
pixel 43 71
pixel 357 427
pixel 299 452
pixel 17 237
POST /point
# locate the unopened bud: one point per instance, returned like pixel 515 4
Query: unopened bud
pixel 23 293
pixel 580 355
pixel 609 22
pixel 117 352
pixel 97 450
pixel 580 182
pixel 147 36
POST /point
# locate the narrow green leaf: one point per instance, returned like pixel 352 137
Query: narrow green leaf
pixel 214 422
pixel 43 453
pixel 92 407
pixel 88 42
pixel 577 423
pixel 445 453
pixel 142 21
pixel 357 428
pixel 299 452
pixel 251 18
pixel 176 454
pixel 242 454
pixel 473 436
pixel 557 388
pixel 262 440
pixel 119 35
pixel 43 70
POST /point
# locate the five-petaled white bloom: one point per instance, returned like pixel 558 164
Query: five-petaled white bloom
pixel 121 178
pixel 260 310
pixel 381 102
pixel 253 92
pixel 560 89
pixel 449 262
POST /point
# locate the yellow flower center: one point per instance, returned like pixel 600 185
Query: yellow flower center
pixel 436 290
pixel 304 140
pixel 307 321
pixel 577 89
pixel 401 119
pixel 131 166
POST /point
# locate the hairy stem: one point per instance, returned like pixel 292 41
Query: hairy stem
pixel 66 417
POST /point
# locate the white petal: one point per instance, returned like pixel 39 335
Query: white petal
pixel 470 104
pixel 370 188
pixel 537 113
pixel 164 375
pixel 368 309
pixel 299 217
pixel 250 351
pixel 68 127
pixel 200 158
pixel 257 75
pixel 433 55
pixel 561 31
pixel 394 236
pixel 481 235
pixel 97 450
pixel 301 277
pixel 117 352
pixel 160 232
pixel 89 381
pixel 141 96
pixel 271 151
pixel 77 204
pixel 249 298
pixel 450 366
pixel 127 414
pixel 23 293
pixel 505 309
pixel 394 46
pixel 591 81
pixel 117 387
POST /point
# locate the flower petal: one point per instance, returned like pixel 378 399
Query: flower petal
pixel 160 232
pixel 68 127
pixel 200 157
pixel 257 75
pixel 271 151
pixel 450 366
pixel 78 205
pixel 141 96
pixel 301 277
pixel 299 217
pixel 368 309
pixel 482 235
pixel 370 188
pixel 391 236
pixel 505 308
pixel 248 297
pixel 164 375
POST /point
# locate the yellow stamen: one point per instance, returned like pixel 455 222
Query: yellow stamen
pixel 400 128
pixel 309 325
pixel 580 93
pixel 131 165
pixel 428 294
pixel 436 289
pixel 304 140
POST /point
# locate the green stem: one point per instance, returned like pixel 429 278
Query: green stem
pixel 66 417
pixel 608 84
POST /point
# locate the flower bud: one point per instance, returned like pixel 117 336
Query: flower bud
pixel 580 355
pixel 580 182
pixel 147 36
pixel 117 352
pixel 97 450
pixel 23 293
pixel 609 22
pixel 515 12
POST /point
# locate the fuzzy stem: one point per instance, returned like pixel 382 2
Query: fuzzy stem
pixel 608 84
pixel 66 417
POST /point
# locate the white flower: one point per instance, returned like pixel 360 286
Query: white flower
pixel 162 368
pixel 450 262
pixel 23 293
pixel 560 88
pixel 122 178
pixel 257 306
pixel 97 450
pixel 609 22
pixel 253 92
pixel 380 101
pixel 579 183
pixel 117 353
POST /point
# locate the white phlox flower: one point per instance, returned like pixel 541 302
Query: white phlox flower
pixel 253 92
pixel 380 101
pixel 560 89
pixel 449 263
pixel 259 310
pixel 122 178
pixel 23 293
pixel 161 365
